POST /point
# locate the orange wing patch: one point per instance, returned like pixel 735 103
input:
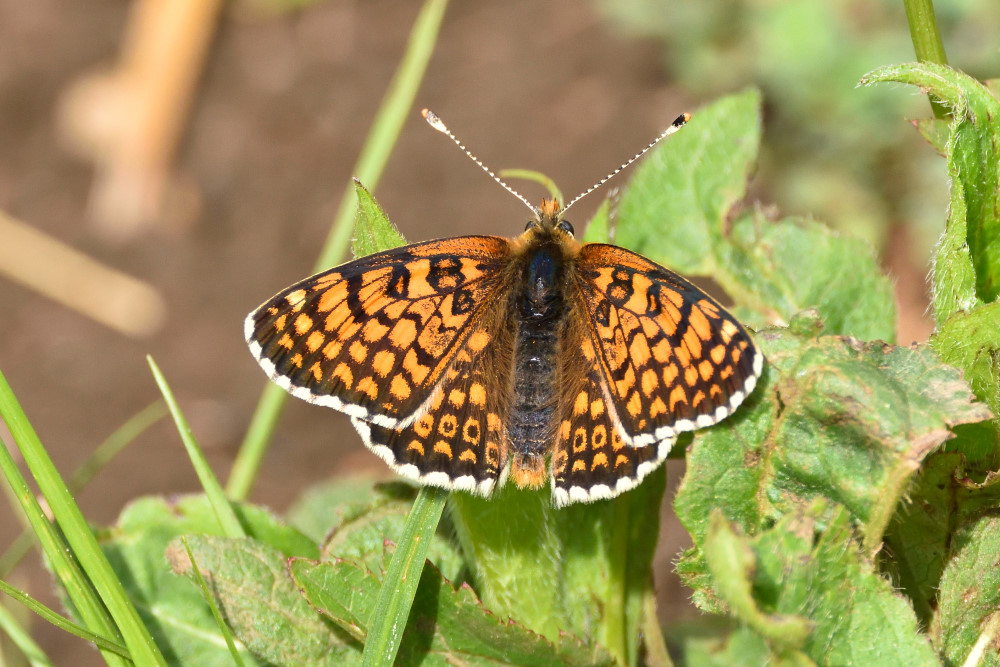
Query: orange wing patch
pixel 373 337
pixel 671 357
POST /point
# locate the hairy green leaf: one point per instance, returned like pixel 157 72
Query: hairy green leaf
pixel 446 626
pixel 971 341
pixel 967 266
pixel 261 602
pixel 805 588
pixel 831 418
pixel 372 228
pixel 969 599
pixel 171 607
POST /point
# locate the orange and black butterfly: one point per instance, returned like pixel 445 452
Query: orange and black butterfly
pixel 464 360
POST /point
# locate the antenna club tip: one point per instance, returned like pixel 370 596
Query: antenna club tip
pixel 682 119
pixel 433 120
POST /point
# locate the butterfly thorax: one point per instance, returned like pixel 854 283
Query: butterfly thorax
pixel 539 307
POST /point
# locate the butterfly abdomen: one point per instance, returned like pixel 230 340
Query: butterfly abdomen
pixel 539 307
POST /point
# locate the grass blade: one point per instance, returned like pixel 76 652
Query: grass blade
pixel 66 569
pixel 105 452
pixel 61 622
pixel 22 640
pixel 216 614
pixel 77 533
pixel 385 129
pixel 395 597
pixel 228 521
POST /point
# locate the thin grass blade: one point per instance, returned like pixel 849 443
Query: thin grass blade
pixel 228 521
pixel 85 548
pixel 395 597
pixel 61 622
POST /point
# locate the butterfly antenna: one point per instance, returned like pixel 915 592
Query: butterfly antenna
pixel 434 121
pixel 678 123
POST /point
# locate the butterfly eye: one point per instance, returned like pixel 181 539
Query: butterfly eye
pixel 566 227
pixel 531 223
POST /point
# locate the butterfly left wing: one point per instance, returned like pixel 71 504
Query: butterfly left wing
pixel 672 359
pixel 373 337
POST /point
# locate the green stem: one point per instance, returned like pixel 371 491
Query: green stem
pixel 395 597
pixel 615 635
pixel 656 649
pixel 378 145
pixel 927 42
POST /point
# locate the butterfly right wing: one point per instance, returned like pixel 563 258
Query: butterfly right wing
pixel 373 337
pixel 672 358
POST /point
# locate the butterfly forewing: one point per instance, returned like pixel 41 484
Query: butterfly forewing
pixel 373 337
pixel 671 357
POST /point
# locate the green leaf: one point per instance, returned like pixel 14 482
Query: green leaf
pixel 171 607
pixel 970 594
pixel 323 507
pixel 858 618
pixel 599 227
pixel 447 626
pixel 832 418
pixel 944 503
pixel 681 194
pixel 372 231
pixel 936 131
pixel 794 263
pixel 582 569
pixel 363 529
pixel 607 550
pixel 805 589
pixel 967 266
pixel 206 594
pixel 261 602
pixel 513 563
pixel 681 209
pixel 731 564
pixel 739 648
pixel 971 341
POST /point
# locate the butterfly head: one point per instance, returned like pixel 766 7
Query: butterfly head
pixel 549 221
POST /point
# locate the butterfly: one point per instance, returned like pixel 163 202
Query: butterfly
pixel 466 361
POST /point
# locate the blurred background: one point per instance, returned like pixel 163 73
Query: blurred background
pixel 128 230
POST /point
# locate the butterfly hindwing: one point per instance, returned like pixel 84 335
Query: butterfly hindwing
pixel 458 441
pixel 374 336
pixel 591 461
pixel 672 358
